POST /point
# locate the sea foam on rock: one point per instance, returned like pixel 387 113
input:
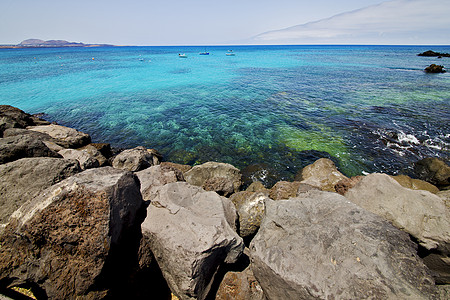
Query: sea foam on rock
pixel 322 246
pixel 192 233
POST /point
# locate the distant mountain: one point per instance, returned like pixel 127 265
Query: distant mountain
pixel 389 23
pixel 36 43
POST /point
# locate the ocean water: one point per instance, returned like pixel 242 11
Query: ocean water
pixel 268 110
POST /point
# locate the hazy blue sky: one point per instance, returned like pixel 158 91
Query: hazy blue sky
pixel 172 22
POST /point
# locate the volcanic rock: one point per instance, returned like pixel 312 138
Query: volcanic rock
pixel 240 286
pixel 284 190
pixel 64 136
pixel 250 209
pixel 136 159
pixel 343 185
pixel 433 68
pixel 324 247
pixel 78 239
pixel 415 184
pixel 12 117
pixel 433 170
pixel 157 176
pixel 21 146
pixel 322 174
pixel 85 160
pixel 25 178
pixel 191 235
pixel 213 176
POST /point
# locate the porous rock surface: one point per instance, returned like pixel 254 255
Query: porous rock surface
pixel 322 246
pixel 23 179
pixel 136 159
pixel 20 146
pixel 322 174
pixel 191 235
pixel 64 136
pixel 78 239
pixel 240 286
pixel 222 178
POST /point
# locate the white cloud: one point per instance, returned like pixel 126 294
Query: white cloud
pixel 391 22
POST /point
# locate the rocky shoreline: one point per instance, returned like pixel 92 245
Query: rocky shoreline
pixel 79 221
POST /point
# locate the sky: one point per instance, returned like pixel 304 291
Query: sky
pixel 171 22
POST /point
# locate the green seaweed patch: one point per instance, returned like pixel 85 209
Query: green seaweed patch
pixel 321 139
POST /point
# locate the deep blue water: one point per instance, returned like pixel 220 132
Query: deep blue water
pixel 277 108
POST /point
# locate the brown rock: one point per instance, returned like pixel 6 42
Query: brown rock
pixel 433 170
pixel 240 286
pixel 136 159
pixel 182 168
pixel 284 190
pixel 415 184
pixel 322 174
pixel 343 185
pixel 257 186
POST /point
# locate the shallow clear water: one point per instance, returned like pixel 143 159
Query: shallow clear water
pixel 369 108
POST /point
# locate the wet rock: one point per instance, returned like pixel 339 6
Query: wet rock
pixel 26 178
pixel 433 170
pixel 250 209
pixel 136 159
pixel 85 160
pixel 240 286
pixel 415 184
pixel 182 168
pixel 324 246
pixel 191 235
pixel 103 148
pixel 284 190
pixel 433 68
pixel 78 239
pixel 261 173
pixel 64 136
pixel 157 176
pixel 432 53
pixel 343 185
pixel 213 176
pixel 322 174
pixel 420 213
pixel 21 146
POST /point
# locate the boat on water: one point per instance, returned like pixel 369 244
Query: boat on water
pixel 182 55
pixel 230 53
pixel 204 53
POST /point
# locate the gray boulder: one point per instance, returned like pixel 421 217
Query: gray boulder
pixel 25 178
pixel 322 174
pixel 136 159
pixel 64 136
pixel 222 178
pixel 322 246
pixel 420 213
pixel 95 153
pixel 21 146
pixel 83 157
pixel 157 176
pixel 191 235
pixel 250 209
pixel 78 239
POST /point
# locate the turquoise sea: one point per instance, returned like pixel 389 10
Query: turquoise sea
pixel 269 110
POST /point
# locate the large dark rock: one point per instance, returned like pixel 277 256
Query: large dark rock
pixel 433 68
pixel 191 233
pixel 222 178
pixel 322 246
pixel 21 146
pixel 12 117
pixel 26 178
pixel 433 170
pixel 64 136
pixel 432 53
pixel 78 239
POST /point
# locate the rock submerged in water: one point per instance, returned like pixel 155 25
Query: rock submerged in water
pixel 433 68
pixel 323 247
pixel 432 54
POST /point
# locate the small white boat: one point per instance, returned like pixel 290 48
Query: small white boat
pixel 182 55
pixel 230 53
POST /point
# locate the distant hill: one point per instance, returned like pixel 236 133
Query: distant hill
pixel 37 43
